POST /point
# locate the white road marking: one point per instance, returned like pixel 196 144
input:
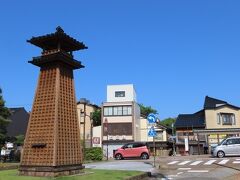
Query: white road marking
pixel 173 162
pixel 172 175
pixel 182 169
pixel 179 173
pixel 237 159
pixel 210 162
pixel 195 163
pixel 223 161
pixel 198 171
pixel 236 162
pixel 184 162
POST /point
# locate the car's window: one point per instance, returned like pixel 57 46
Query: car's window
pixel 223 142
pixel 130 146
pixel 136 145
pixel 238 141
pixel 125 146
pixel 229 141
pixel 232 141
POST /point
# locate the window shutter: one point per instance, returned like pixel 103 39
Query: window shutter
pixel 218 118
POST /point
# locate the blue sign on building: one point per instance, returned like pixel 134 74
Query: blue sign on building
pixel 151 118
pixel 152 132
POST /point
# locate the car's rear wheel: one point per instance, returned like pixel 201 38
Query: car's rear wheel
pixel 118 156
pixel 220 154
pixel 144 156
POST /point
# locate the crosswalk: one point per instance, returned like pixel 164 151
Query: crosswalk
pixel 210 162
pixel 204 162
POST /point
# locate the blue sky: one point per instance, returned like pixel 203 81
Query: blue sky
pixel 174 52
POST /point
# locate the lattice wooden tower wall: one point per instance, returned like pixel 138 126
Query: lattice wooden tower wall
pixel 52 144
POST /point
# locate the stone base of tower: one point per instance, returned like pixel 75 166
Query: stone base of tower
pixel 50 171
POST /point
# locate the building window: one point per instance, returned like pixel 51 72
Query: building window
pixel 218 118
pixel 118 111
pixel 119 93
pixel 159 136
pixel 108 111
pixel 125 110
pixel 129 110
pixel 228 119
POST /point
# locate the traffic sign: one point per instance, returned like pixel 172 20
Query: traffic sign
pixel 151 118
pixel 152 132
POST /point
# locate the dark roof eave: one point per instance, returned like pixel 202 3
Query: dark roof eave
pixel 190 127
pixel 43 41
pixel 225 105
pixel 217 130
pixel 94 105
pixel 60 56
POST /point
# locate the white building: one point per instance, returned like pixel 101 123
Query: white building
pixel 120 118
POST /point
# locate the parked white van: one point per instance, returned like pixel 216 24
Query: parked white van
pixel 228 147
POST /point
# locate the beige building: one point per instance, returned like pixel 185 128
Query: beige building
pixel 209 126
pixel 163 146
pixel 222 120
pixel 84 111
pixel 162 132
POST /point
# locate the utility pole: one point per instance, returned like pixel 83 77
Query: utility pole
pixel 84 102
pixel 84 125
pixel 106 131
pixel 154 152
pixel 91 130
pixel 174 151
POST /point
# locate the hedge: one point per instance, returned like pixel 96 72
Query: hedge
pixel 94 154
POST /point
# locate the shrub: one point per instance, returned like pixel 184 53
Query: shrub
pixel 94 154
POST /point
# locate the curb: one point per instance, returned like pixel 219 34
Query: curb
pixel 140 176
pixel 9 167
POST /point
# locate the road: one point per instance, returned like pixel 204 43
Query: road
pixel 199 167
pixel 183 167
pixel 131 165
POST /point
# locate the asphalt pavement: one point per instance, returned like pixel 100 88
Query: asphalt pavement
pixel 178 167
pixel 130 165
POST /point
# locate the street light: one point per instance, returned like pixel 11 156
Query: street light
pixel 106 131
pixel 84 101
pixel 91 126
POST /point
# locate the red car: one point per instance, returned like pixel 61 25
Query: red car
pixel 132 150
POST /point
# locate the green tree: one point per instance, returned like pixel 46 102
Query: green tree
pixel 96 117
pixel 168 122
pixel 19 139
pixel 4 121
pixel 146 110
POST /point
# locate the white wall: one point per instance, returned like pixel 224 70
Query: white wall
pixel 97 132
pixel 110 148
pixel 137 134
pixel 130 94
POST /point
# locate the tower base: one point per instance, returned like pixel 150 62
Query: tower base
pixel 52 171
